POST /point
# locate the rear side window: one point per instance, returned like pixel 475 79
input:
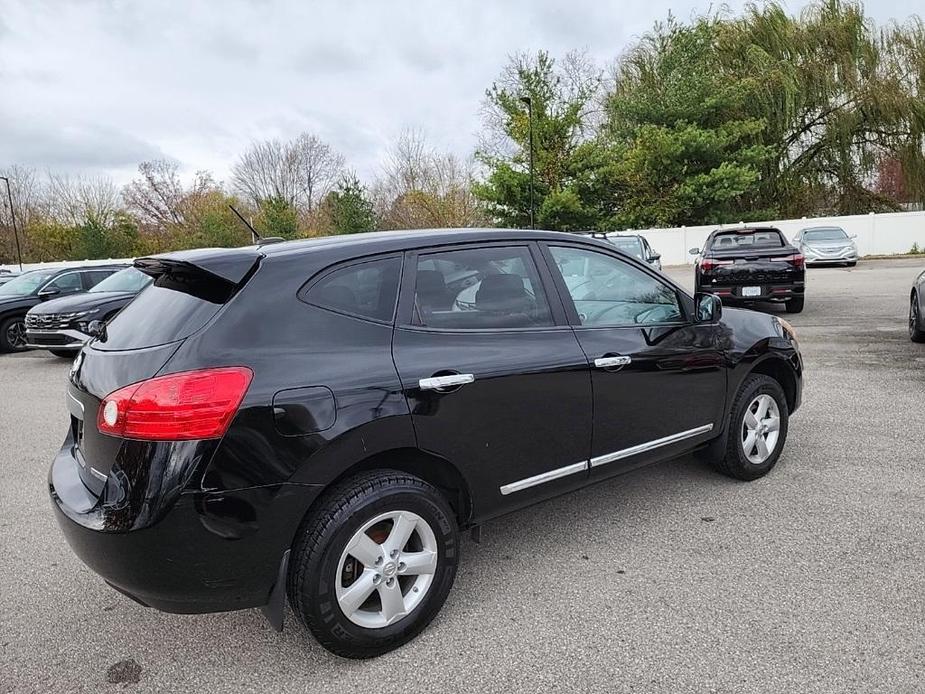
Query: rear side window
pixel 365 290
pixel 172 308
pixel 94 277
pixel 479 289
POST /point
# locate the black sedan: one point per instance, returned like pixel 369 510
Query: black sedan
pixel 917 309
pixel 320 419
pixel 31 288
pixel 751 265
pixel 62 325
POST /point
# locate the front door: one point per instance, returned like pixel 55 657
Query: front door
pixel 495 378
pixel 658 378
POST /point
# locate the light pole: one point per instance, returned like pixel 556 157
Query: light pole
pixel 9 196
pixel 529 102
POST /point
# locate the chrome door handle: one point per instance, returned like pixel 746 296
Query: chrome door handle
pixel 448 381
pixel 610 362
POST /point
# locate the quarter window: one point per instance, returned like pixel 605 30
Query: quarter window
pixel 479 289
pixel 609 292
pixel 366 289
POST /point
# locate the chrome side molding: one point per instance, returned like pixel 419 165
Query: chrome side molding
pixel 544 477
pixel 650 445
pixel 602 460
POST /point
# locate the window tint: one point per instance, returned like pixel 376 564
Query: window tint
pixel 66 283
pixel 610 292
pixel 94 277
pixel 481 288
pixel 367 289
pixel 732 240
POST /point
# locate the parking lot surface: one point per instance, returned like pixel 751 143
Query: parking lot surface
pixel 669 579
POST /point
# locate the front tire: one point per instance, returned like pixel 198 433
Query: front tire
pixel 916 321
pixel 757 429
pixel 373 564
pixel 13 334
pixel 63 353
pixel 795 305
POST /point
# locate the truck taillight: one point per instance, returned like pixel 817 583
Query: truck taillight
pixel 706 265
pixel 798 260
pixel 177 407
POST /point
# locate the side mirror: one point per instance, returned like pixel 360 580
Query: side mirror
pixel 694 251
pixel 654 257
pixel 48 293
pixel 853 236
pixel 708 307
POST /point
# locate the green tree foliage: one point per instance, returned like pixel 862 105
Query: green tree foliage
pixel 683 145
pixel 564 103
pixel 277 217
pixel 347 209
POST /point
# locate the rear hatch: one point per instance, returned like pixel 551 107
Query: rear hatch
pixel 188 291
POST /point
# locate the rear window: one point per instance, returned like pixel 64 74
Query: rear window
pixel 765 238
pixel 172 308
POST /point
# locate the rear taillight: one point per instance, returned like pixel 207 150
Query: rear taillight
pixel 177 407
pixel 798 260
pixel 706 265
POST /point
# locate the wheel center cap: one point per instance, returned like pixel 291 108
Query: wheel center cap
pixel 390 569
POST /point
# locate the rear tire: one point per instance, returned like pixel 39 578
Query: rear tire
pixel 759 413
pixel 795 305
pixel 852 263
pixel 349 602
pixel 13 334
pixel 916 320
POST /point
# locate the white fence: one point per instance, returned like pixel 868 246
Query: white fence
pixel 877 234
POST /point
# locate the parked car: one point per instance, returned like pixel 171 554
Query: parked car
pixel 827 245
pixel 62 325
pixel 321 418
pixel 31 288
pixel 917 309
pixel 634 244
pixel 750 265
pixel 7 275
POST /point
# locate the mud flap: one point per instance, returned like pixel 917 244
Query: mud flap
pixel 275 609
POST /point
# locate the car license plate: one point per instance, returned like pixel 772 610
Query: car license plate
pixel 751 291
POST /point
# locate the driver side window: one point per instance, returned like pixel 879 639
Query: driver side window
pixel 609 292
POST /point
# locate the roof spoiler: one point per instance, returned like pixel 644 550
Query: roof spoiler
pixel 232 265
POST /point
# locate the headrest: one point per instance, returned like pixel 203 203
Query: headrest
pixel 430 282
pixel 502 293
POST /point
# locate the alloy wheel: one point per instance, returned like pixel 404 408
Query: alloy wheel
pixel 386 569
pixel 760 429
pixel 16 335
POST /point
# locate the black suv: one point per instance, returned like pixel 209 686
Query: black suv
pixel 31 288
pixel 752 265
pixel 321 418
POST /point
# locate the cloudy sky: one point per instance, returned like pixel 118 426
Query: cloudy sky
pixel 96 86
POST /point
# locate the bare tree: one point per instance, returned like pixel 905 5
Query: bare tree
pixel 78 200
pixel 422 188
pixel 158 197
pixel 300 172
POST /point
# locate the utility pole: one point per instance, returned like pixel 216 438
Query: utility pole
pixel 529 102
pixel 9 196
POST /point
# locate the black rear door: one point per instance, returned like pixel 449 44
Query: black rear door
pixel 658 378
pixel 495 379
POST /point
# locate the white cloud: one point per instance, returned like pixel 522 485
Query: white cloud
pixel 97 86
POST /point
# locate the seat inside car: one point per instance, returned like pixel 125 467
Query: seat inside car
pixel 432 294
pixel 504 294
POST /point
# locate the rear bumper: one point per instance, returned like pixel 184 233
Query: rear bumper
pixel 209 552
pixel 767 292
pixel 65 339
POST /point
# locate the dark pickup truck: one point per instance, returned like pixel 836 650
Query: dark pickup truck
pixel 750 265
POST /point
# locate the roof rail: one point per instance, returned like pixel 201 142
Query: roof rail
pixel 270 239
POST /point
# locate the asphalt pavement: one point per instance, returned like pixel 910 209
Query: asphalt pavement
pixel 669 579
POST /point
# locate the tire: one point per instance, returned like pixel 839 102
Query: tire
pixel 795 305
pixel 322 570
pixel 852 263
pixel 733 460
pixel 916 321
pixel 13 334
pixel 63 353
